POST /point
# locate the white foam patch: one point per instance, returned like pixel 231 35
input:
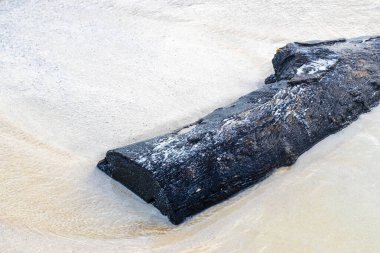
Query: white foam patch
pixel 316 66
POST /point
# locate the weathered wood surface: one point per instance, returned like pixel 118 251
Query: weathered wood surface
pixel 318 88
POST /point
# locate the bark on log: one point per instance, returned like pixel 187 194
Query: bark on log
pixel 317 89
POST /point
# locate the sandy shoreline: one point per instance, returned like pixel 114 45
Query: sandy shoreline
pixel 81 77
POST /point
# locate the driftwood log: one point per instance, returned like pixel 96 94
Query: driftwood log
pixel 317 89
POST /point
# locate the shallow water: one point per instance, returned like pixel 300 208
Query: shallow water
pixel 81 77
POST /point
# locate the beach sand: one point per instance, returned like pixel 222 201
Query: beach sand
pixel 81 77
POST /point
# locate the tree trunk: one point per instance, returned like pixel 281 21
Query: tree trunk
pixel 318 88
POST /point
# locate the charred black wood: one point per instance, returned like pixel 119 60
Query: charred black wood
pixel 317 89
